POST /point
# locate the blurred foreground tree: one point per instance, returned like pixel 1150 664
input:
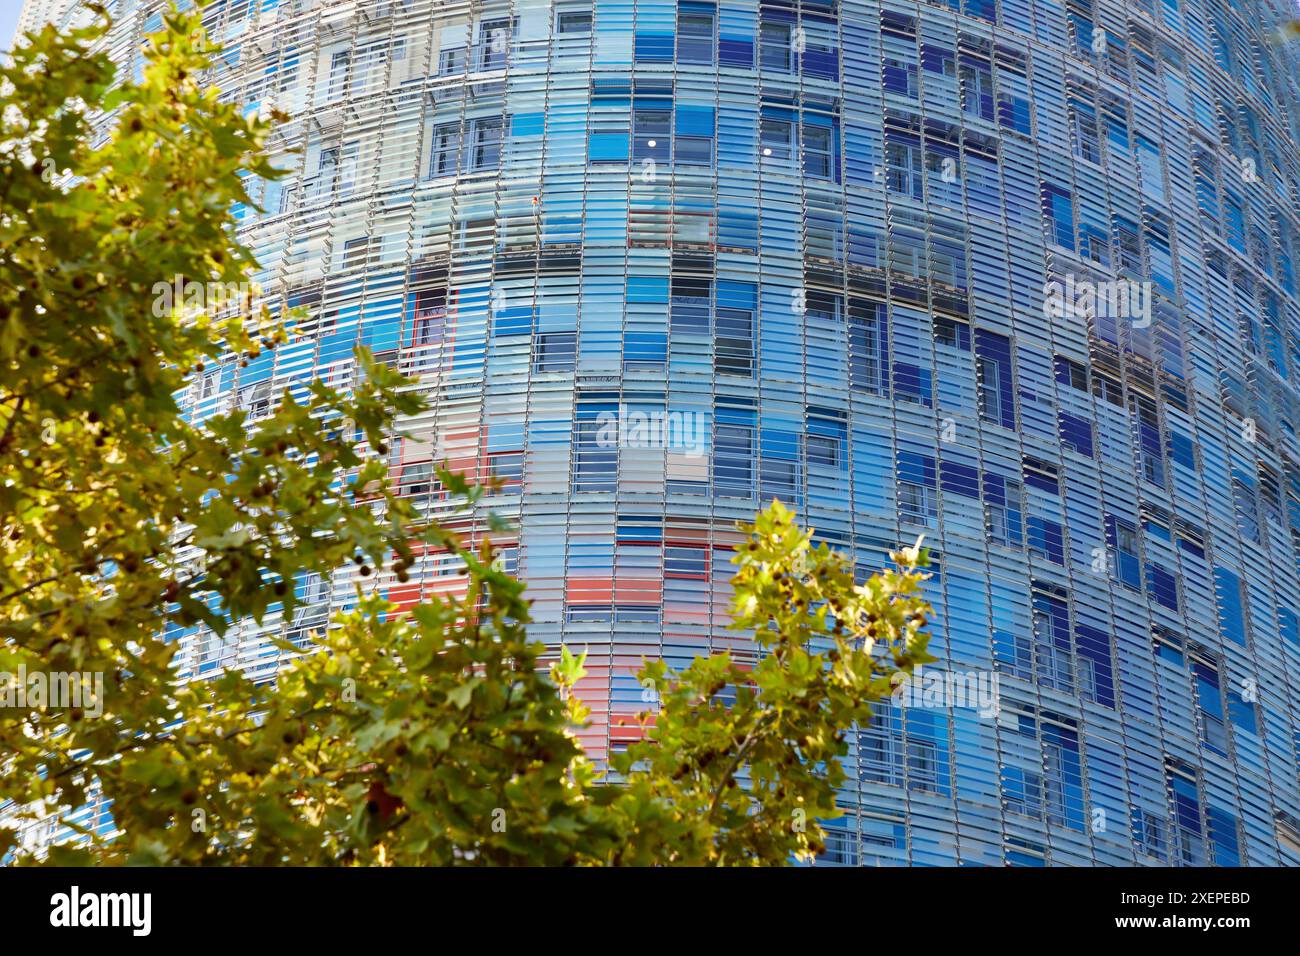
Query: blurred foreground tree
pixel 434 737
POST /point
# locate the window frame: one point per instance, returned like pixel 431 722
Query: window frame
pixel 695 41
pixel 586 14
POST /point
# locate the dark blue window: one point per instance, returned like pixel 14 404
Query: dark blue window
pixel 1013 113
pixel 864 247
pixel 1004 508
pixel 820 60
pixel 1150 443
pixel 734 51
pixel 959 479
pixel 1052 640
pixel 1063 777
pixel 983 9
pixel 695 30
pixel 1025 857
pixel 1242 713
pixel 1187 810
pixel 1209 696
pixel 1232 612
pixel 1162 586
pixel 1059 213
pixel 1185 806
pixel 1121 539
pixel 1096 676
pixel 1182 450
pixel 916 468
pixel 1047 539
pixel 654 47
pixel 913 383
pixel 993 362
pixel 1041 475
pixel 1223 837
pixel 976 89
pixel 937 59
pixel 899 77
pixel 1076 433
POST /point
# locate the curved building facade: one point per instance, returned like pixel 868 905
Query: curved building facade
pixel 1016 274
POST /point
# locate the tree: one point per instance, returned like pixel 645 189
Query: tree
pixel 119 517
pixel 435 737
pixel 785 720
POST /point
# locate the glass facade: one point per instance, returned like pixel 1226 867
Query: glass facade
pixel 1016 274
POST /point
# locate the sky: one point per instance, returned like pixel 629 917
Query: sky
pixel 8 20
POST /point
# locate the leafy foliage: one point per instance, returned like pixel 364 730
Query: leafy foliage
pixel 434 737
pixel 783 722
pixel 118 515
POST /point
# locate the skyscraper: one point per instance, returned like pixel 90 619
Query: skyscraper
pixel 1017 275
pixel 36 13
